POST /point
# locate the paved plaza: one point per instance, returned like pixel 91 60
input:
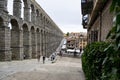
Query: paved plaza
pixel 65 68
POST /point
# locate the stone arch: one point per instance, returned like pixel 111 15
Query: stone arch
pixel 41 15
pixel 33 41
pixel 32 8
pixel 41 42
pixel 44 42
pixel 15 39
pixel 17 8
pixel 26 42
pixel 32 29
pixel 47 22
pixel 37 16
pixel 49 41
pixel 46 45
pixel 3 5
pixel 38 41
pixel 26 10
pixel 37 30
pixel 44 19
pixel 37 12
pixel 14 23
pixel 25 27
pixel 33 14
pixel 25 2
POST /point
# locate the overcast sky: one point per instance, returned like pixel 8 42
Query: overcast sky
pixel 65 13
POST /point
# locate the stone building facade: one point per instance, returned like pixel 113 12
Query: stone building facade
pixel 34 34
pixel 97 18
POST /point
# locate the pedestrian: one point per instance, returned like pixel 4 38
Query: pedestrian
pixel 80 49
pixel 38 57
pixel 24 56
pixel 60 53
pixel 52 57
pixel 43 59
pixel 75 53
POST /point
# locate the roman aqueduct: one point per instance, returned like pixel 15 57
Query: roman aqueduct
pixel 34 34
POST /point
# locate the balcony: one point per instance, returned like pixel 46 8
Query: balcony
pixel 85 21
pixel 96 11
pixel 86 6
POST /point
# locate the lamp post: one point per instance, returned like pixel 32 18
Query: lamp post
pixel 81 42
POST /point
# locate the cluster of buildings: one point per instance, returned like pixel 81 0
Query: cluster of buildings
pixel 76 40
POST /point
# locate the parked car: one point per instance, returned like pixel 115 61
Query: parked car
pixel 73 50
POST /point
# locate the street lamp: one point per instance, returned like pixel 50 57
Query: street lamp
pixel 81 42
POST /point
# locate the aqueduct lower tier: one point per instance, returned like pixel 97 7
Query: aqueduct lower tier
pixel 35 34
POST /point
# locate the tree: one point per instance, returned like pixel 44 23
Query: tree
pixel 67 34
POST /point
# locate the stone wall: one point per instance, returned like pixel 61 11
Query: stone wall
pixel 107 21
pixel 101 25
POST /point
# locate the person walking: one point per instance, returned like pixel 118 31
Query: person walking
pixel 80 49
pixel 75 53
pixel 61 53
pixel 43 59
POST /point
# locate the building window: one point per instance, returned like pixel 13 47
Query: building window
pixel 94 36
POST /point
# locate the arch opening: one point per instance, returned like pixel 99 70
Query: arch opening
pixel 15 39
pixel 26 44
pixel 38 41
pixel 33 41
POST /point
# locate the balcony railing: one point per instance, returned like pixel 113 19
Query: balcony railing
pixel 86 6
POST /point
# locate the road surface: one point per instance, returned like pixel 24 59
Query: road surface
pixel 65 68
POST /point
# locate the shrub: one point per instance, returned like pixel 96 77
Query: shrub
pixel 98 63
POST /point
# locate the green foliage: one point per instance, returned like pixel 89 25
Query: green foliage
pixel 114 33
pixel 92 60
pixel 97 62
pixel 67 34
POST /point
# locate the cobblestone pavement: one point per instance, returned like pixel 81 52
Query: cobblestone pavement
pixel 65 68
